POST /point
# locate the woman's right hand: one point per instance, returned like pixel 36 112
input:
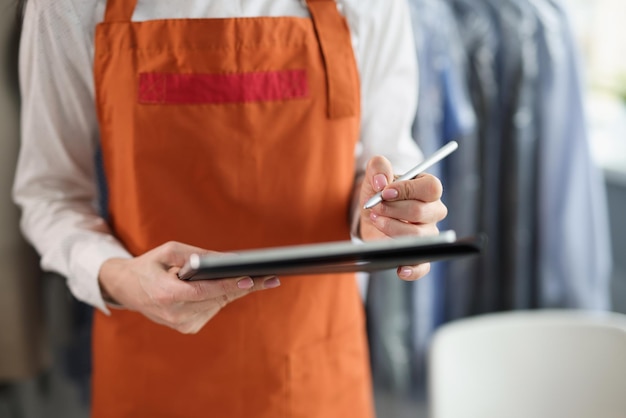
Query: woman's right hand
pixel 149 284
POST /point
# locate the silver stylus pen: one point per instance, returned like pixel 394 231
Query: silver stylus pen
pixel 437 156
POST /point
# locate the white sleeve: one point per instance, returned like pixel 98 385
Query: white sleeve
pixel 389 76
pixel 55 182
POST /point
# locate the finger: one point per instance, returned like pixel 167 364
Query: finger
pixel 395 228
pixel 413 211
pixel 410 273
pixel 194 315
pixel 426 188
pixel 258 283
pixel 223 289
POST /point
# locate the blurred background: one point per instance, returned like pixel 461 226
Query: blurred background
pixel 534 91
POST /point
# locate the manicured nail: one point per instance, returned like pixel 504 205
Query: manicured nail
pixel 246 283
pixel 380 182
pixel 390 194
pixel 405 272
pixel 373 216
pixel 271 283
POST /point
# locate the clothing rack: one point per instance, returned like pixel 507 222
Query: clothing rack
pixel 503 79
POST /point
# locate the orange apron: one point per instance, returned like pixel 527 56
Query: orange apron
pixel 230 134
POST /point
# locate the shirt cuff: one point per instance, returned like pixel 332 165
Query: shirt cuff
pixel 355 209
pixel 87 259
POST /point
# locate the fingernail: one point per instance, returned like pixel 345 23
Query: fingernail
pixel 373 216
pixel 271 283
pixel 405 272
pixel 380 182
pixel 246 283
pixel 390 194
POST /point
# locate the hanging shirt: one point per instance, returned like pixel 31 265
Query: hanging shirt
pixel 575 248
pixel 56 177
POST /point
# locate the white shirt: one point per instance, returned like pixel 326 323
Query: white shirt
pixel 55 179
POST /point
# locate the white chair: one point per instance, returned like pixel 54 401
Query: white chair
pixel 537 364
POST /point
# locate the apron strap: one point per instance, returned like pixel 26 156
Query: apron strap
pixel 333 35
pixel 119 10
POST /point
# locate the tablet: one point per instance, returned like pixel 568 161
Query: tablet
pixel 331 257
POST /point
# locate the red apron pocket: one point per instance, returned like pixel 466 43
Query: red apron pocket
pixel 167 88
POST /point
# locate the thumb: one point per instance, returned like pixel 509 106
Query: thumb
pixel 176 254
pixel 378 174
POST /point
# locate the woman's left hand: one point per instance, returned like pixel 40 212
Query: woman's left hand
pixel 411 207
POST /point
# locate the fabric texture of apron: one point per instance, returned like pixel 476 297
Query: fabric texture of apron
pixel 231 134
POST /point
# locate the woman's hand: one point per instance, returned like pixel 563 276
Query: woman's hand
pixel 411 207
pixel 148 284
